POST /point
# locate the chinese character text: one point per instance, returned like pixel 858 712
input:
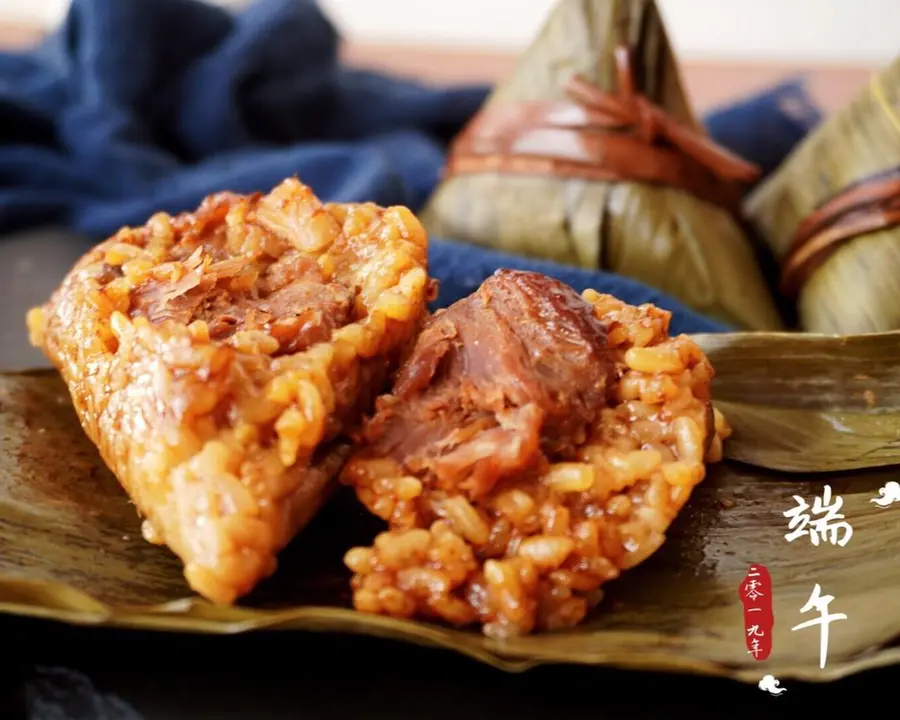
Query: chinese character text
pixel 822 522
pixel 820 603
pixel 756 597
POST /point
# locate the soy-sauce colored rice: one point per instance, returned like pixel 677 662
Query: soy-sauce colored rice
pixel 535 552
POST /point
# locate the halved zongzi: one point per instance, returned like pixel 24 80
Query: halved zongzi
pixel 535 445
pixel 214 357
pixel 589 155
pixel 831 215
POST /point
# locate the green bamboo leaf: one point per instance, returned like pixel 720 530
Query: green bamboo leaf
pixel 808 403
pixel 71 550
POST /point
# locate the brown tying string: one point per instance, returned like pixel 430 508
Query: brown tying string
pixel 599 136
pixel 864 207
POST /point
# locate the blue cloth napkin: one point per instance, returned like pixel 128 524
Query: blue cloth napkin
pixel 459 271
pixel 137 106
pixel 765 127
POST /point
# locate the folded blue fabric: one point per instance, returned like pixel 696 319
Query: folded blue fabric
pixel 137 106
pixel 134 106
pixel 765 127
pixel 459 271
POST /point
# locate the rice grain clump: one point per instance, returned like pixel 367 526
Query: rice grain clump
pixel 214 358
pixel 536 444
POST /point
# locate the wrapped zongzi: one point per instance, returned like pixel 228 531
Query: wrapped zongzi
pixel 589 155
pixel 831 215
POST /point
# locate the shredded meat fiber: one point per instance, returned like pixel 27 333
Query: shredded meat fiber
pixel 495 384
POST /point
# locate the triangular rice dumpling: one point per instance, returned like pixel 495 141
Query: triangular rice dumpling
pixel 831 215
pixel 216 357
pixel 588 155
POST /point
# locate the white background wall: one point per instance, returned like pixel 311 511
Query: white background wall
pixel 821 31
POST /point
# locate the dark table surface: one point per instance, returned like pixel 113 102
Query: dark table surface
pixel 57 672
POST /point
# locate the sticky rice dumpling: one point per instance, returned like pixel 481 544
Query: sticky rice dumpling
pixel 831 216
pixel 216 357
pixel 589 155
pixel 535 445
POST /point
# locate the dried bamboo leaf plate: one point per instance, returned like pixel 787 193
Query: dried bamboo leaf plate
pixel 808 411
